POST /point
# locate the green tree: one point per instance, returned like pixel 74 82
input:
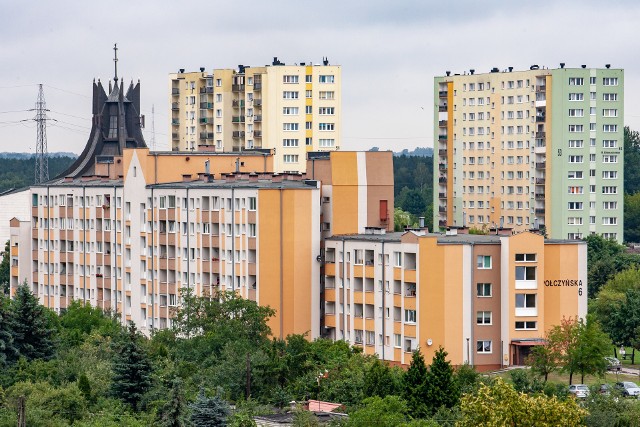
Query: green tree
pixel 402 219
pixel 8 351
pixel 174 412
pixel 81 319
pixel 5 271
pixel 379 379
pixel 415 390
pixel 543 360
pixel 377 411
pixel 131 369
pixel 413 202
pixel 631 161
pixel 563 339
pixel 441 385
pixel 32 326
pixel 591 348
pixel 467 378
pixel 605 258
pixel 631 217
pixel 209 411
pixel 499 404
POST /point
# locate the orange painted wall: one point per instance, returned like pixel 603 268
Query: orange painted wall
pixel 344 173
pixel 561 262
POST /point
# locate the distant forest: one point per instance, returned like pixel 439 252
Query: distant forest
pixel 413 179
pixel 20 172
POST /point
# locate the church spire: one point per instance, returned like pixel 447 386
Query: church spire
pixel 115 61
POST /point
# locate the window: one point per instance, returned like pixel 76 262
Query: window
pixel 610 112
pixel 525 257
pixel 326 79
pixel 576 81
pixel 290 158
pixel 575 206
pixel 610 189
pixel 483 346
pixel 525 300
pixel 576 112
pixel 357 257
pixel 326 111
pixel 410 316
pixel 574 220
pixel 592 80
pixel 609 174
pixel 290 126
pixel 609 220
pixel 290 111
pixel 252 203
pixel 576 128
pixel 609 96
pixel 287 94
pixel 526 325
pixel 397 259
pixel 609 143
pixel 308 140
pixel 326 126
pixel 308 109
pixel 290 142
pixel 252 230
pixel 483 289
pixel 610 81
pixel 324 143
pixel 397 340
pixel 610 128
pixel 483 318
pixel 576 97
pixel 324 94
pixel 484 261
pixel 610 159
pixel 576 143
pixel 575 159
pixel 525 273
pixel 308 78
pixel 309 94
pixel 609 205
pixel 289 79
pixel 575 175
pixel 576 189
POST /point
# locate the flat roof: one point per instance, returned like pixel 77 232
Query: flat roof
pixel 224 184
pixel 457 239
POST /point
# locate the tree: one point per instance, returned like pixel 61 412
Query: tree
pixel 605 258
pixel 131 370
pixel 441 385
pixel 591 349
pixel 499 404
pixel 379 379
pixel 402 219
pixel 209 411
pixel 415 387
pixel 563 339
pixel 33 329
pixel 378 411
pixel 543 360
pixel 631 161
pixel 632 217
pixel 174 412
pixel 5 271
pixel 8 351
pixel 413 202
pixel 80 319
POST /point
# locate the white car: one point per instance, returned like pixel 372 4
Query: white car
pixel 579 390
pixel 628 388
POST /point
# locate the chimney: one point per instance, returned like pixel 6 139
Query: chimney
pixel 206 167
pixel 421 221
pixel 451 231
pixel 186 177
pixel 253 177
pixel 276 178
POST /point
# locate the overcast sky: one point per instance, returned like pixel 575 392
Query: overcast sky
pixel 389 52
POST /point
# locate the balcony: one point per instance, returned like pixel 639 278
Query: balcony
pixel 442 123
pixel 540 119
pixel 237 119
pixel 257 118
pixel 175 122
pixel 208 89
pixel 541 165
pixel 442 223
pixel 442 195
pixel 175 106
pixel 257 86
pixel 206 105
pixel 442 179
pixel 442 209
pixel 205 120
pixel 175 136
pixel 442 137
pixel 541 134
pixel 238 103
pixel 238 134
pixel 257 102
pixel 442 152
pixel 442 109
pixel 175 91
pixel 540 181
pixel 539 211
pixel 206 135
pixel 443 93
pixel 442 166
pixel 237 88
pixel 257 133
pixel 541 88
pixel 540 196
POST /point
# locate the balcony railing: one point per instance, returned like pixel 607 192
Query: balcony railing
pixel 238 134
pixel 442 123
pixel 174 135
pixel 237 119
pixel 541 134
pixel 257 118
pixel 237 103
pixel 443 93
pixel 257 86
pixel 541 88
pixel 442 209
pixel 541 165
pixel 442 108
pixel 539 119
pixel 174 106
pixel 442 151
pixel 208 89
pixel 237 88
pixel 175 91
pixel 206 105
pixel 442 179
pixel 539 211
pixel 175 122
pixel 539 181
pixel 540 196
pixel 257 102
pixel 206 119
pixel 257 133
pixel 442 137
pixel 206 135
pixel 442 195
pixel 442 166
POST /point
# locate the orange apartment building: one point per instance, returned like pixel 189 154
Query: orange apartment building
pixel 125 228
pixel 485 298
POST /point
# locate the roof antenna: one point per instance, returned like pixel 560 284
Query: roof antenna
pixel 115 61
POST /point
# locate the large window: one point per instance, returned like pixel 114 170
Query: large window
pixel 484 261
pixel 525 300
pixel 525 273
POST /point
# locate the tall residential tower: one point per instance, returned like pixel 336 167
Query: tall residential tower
pixel 540 148
pixel 290 108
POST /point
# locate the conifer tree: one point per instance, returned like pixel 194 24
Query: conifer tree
pixel 415 388
pixel 174 412
pixel 32 326
pixel 8 352
pixel 442 387
pixel 131 370
pixel 209 411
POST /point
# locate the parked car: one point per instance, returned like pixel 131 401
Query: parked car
pixel 613 364
pixel 604 389
pixel 628 388
pixel 579 390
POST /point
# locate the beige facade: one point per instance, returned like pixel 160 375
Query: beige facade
pixel 293 109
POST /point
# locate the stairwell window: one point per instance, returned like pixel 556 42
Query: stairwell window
pixel 290 158
pixel 484 262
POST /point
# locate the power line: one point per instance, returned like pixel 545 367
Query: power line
pixel 67 91
pixel 14 111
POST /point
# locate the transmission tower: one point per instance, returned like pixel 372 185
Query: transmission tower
pixel 42 155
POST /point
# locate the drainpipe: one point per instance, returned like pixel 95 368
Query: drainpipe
pixel 472 266
pixel 84 242
pixel 384 296
pixel 344 289
pixel 233 240
pixel 50 249
pixel 153 302
pixel 281 265
pixel 115 246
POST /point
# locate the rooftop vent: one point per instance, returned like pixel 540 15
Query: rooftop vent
pixel 181 70
pixel 534 67
pixel 202 69
pixel 510 69
pixel 448 73
pixel 495 70
pixel 472 71
pixel 607 66
pixel 562 64
pixel 584 66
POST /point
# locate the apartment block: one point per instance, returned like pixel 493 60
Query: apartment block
pixel 291 109
pixel 534 149
pixel 487 299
